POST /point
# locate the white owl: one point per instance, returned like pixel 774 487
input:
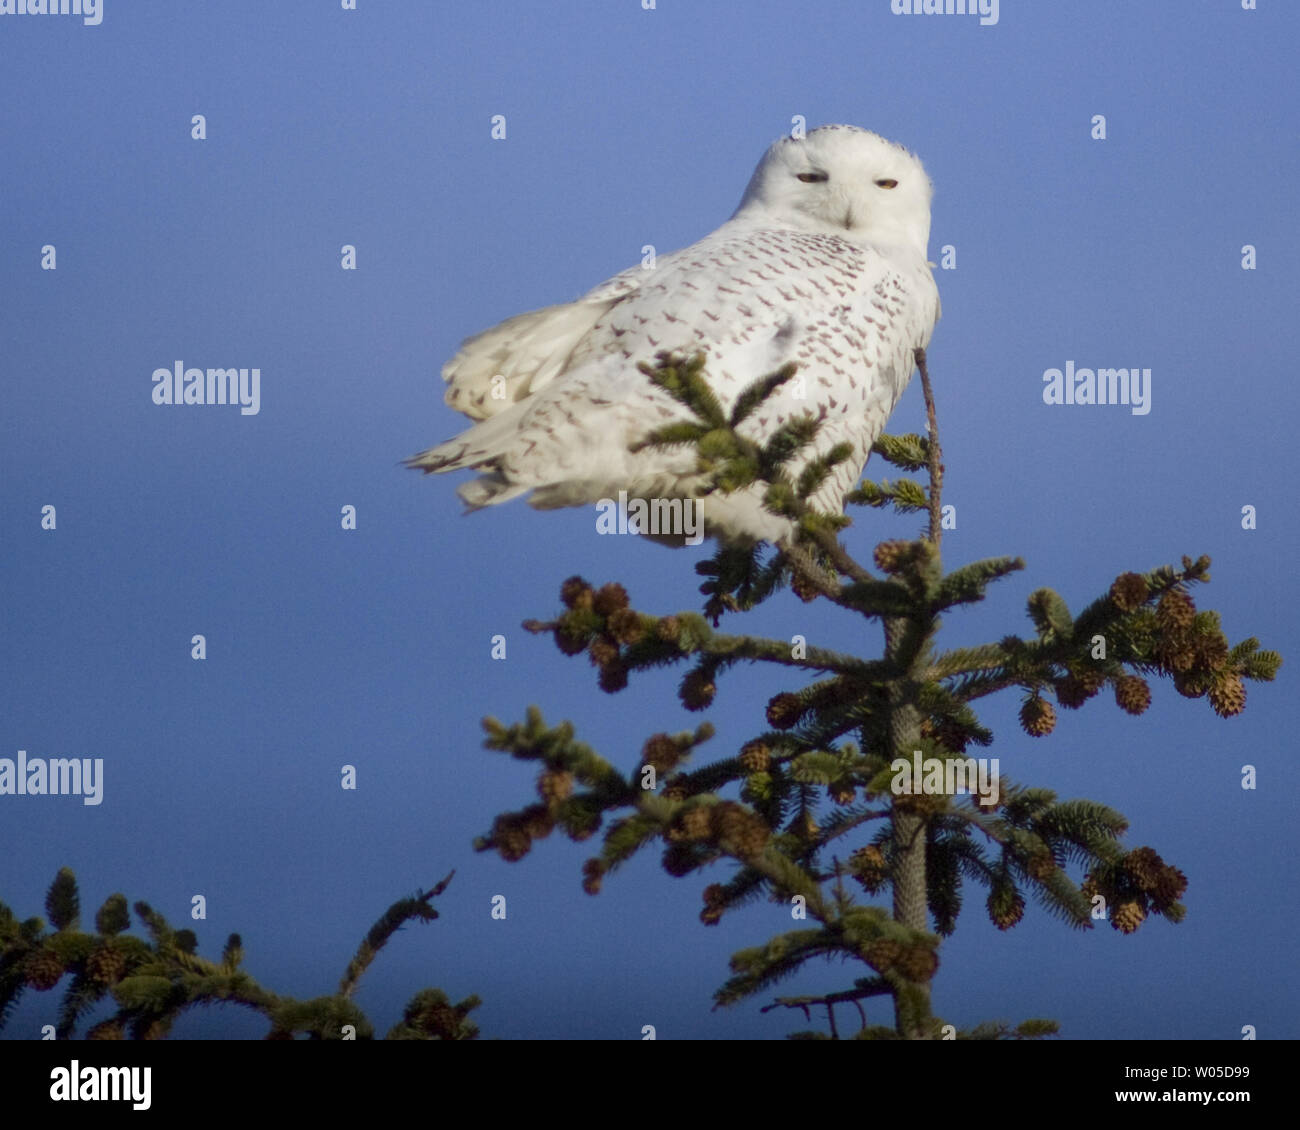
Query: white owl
pixel 824 263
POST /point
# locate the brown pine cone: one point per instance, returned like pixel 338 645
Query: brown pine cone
pixel 1143 865
pixel 883 954
pixel 610 598
pixel 669 629
pixel 784 711
pixel 105 966
pixel 918 963
pixel 755 757
pixel 1170 885
pixel 1132 694
pixel 891 556
pixel 1228 695
pixel 1128 916
pixel 536 820
pixel 661 753
pixel 1129 591
pixel 554 785
pixel 697 690
pixel 869 867
pixel 613 677
pixel 576 592
pixel 602 650
pixel 625 626
pixel 44 970
pixel 1193 684
pixel 1041 867
pixel 1176 610
pixel 1037 718
pixel 511 840
pixel 841 793
pixel 694 823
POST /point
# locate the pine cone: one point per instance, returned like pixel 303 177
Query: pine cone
pixel 1041 867
pixel 555 785
pixel 1005 908
pixel 755 757
pixel 669 629
pixel 107 1030
pixel 1037 718
pixel 1176 653
pixel 869 867
pixel 715 895
pixel 1170 885
pixel 1192 684
pixel 1070 692
pixel 511 841
pixel 661 753
pixel 1176 611
pixel 537 822
pixel 440 1020
pixel 952 736
pixel 1211 650
pixel 883 954
pixel 738 830
pixel 695 823
pixel 891 556
pixel 1129 592
pixel 918 963
pixel 841 793
pixel 610 599
pixel 44 970
pixel 613 677
pixel 1132 694
pixel 803 588
pixel 625 626
pixel 603 651
pixel 1228 695
pixel 711 915
pixel 784 711
pixel 1128 916
pixel 697 690
pixel 593 874
pixel 569 639
pixel 576 592
pixel 1144 865
pixel 105 966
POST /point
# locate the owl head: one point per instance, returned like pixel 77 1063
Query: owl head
pixel 845 181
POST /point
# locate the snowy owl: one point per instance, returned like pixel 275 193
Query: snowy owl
pixel 823 263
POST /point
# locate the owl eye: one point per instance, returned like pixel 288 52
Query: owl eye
pixel 887 182
pixel 814 178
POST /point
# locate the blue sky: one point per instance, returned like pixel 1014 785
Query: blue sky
pixel 625 127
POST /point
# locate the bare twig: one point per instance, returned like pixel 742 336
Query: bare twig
pixel 936 453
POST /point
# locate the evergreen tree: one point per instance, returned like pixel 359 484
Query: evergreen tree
pixel 822 804
pixel 154 981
